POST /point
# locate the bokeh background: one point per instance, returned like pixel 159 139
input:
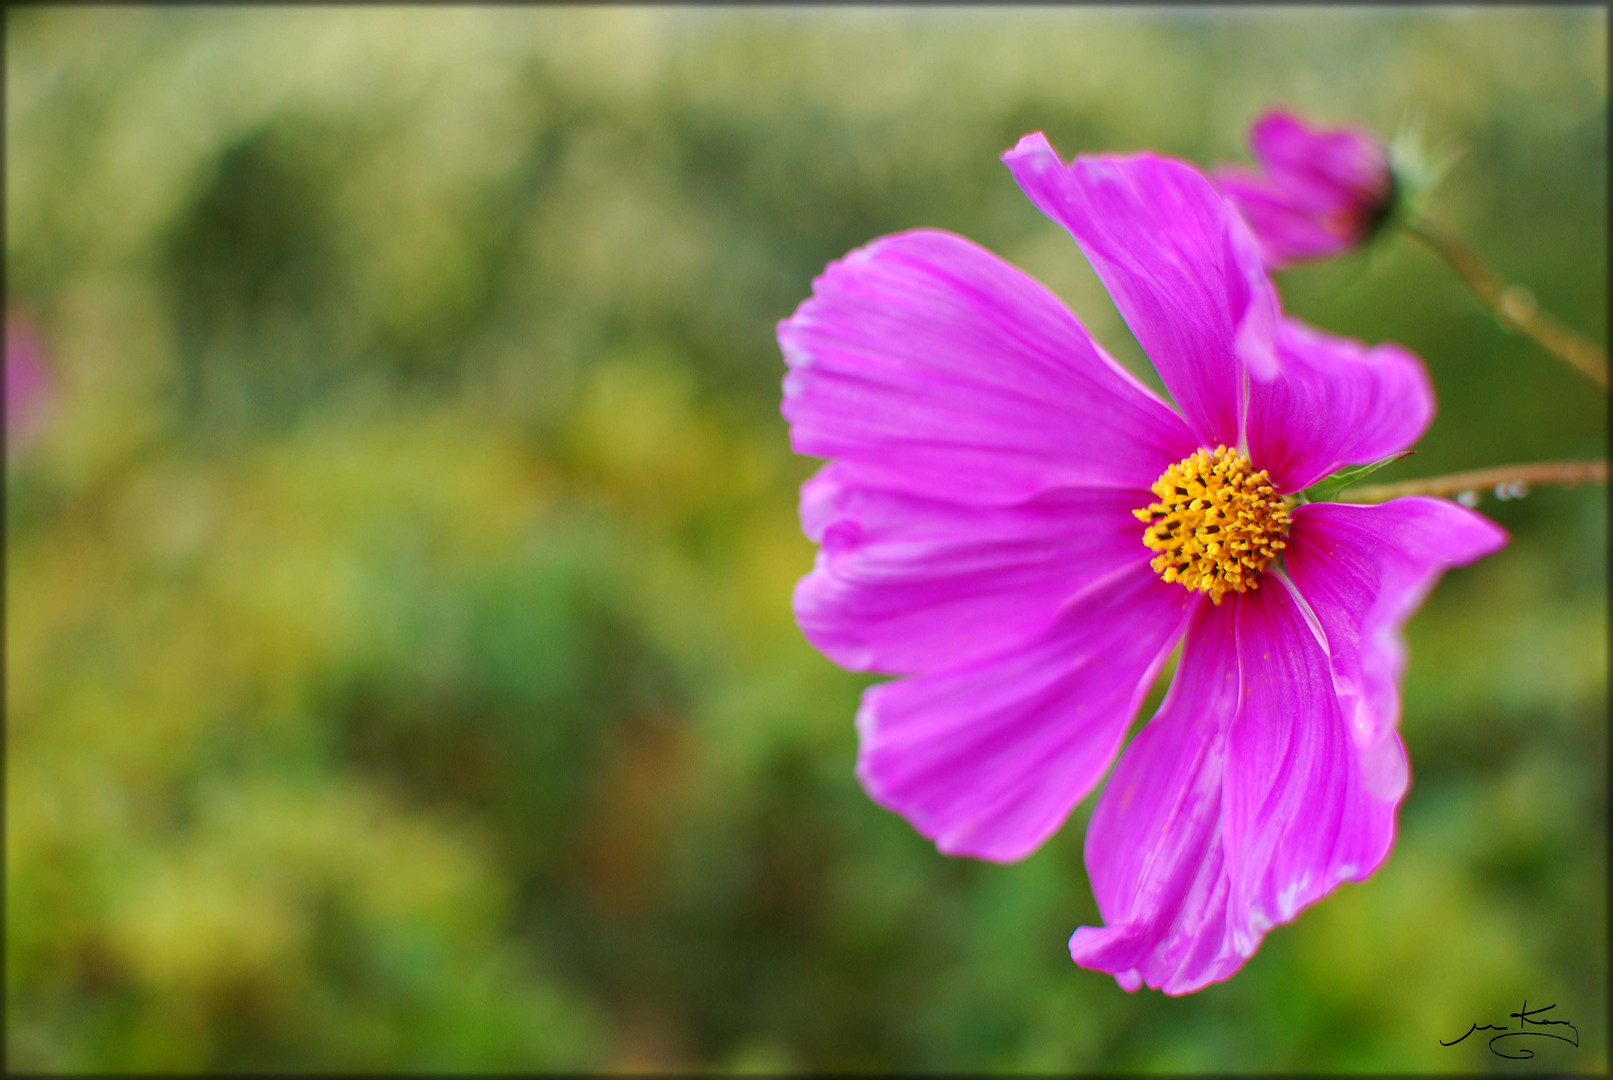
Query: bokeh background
pixel 400 531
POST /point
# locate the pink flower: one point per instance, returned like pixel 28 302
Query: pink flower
pixel 1323 192
pixel 979 535
pixel 27 383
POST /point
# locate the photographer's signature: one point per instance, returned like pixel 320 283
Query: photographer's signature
pixel 1529 1024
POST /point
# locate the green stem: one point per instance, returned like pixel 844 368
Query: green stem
pixel 1562 473
pixel 1514 305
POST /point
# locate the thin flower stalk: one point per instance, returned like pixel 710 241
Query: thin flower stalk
pixel 1514 305
pixel 1502 478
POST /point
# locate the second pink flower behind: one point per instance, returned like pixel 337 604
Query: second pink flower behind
pixel 1318 192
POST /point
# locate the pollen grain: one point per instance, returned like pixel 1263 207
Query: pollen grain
pixel 1217 523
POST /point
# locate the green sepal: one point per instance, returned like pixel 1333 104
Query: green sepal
pixel 1416 167
pixel 1329 489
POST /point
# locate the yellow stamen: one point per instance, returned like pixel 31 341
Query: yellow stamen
pixel 1217 524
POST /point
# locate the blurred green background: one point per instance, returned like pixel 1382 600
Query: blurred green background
pixel 399 663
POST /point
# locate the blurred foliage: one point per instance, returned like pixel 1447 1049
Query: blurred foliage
pixel 399 662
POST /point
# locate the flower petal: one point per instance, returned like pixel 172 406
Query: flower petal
pixel 930 366
pixel 1180 264
pixel 1153 848
pixel 1297 818
pixel 909 585
pixel 1320 169
pixel 1335 402
pixel 1364 570
pixel 1287 231
pixel 989 760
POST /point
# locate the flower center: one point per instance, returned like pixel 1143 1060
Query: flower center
pixel 1217 524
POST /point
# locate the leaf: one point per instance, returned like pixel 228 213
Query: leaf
pixel 1329 489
